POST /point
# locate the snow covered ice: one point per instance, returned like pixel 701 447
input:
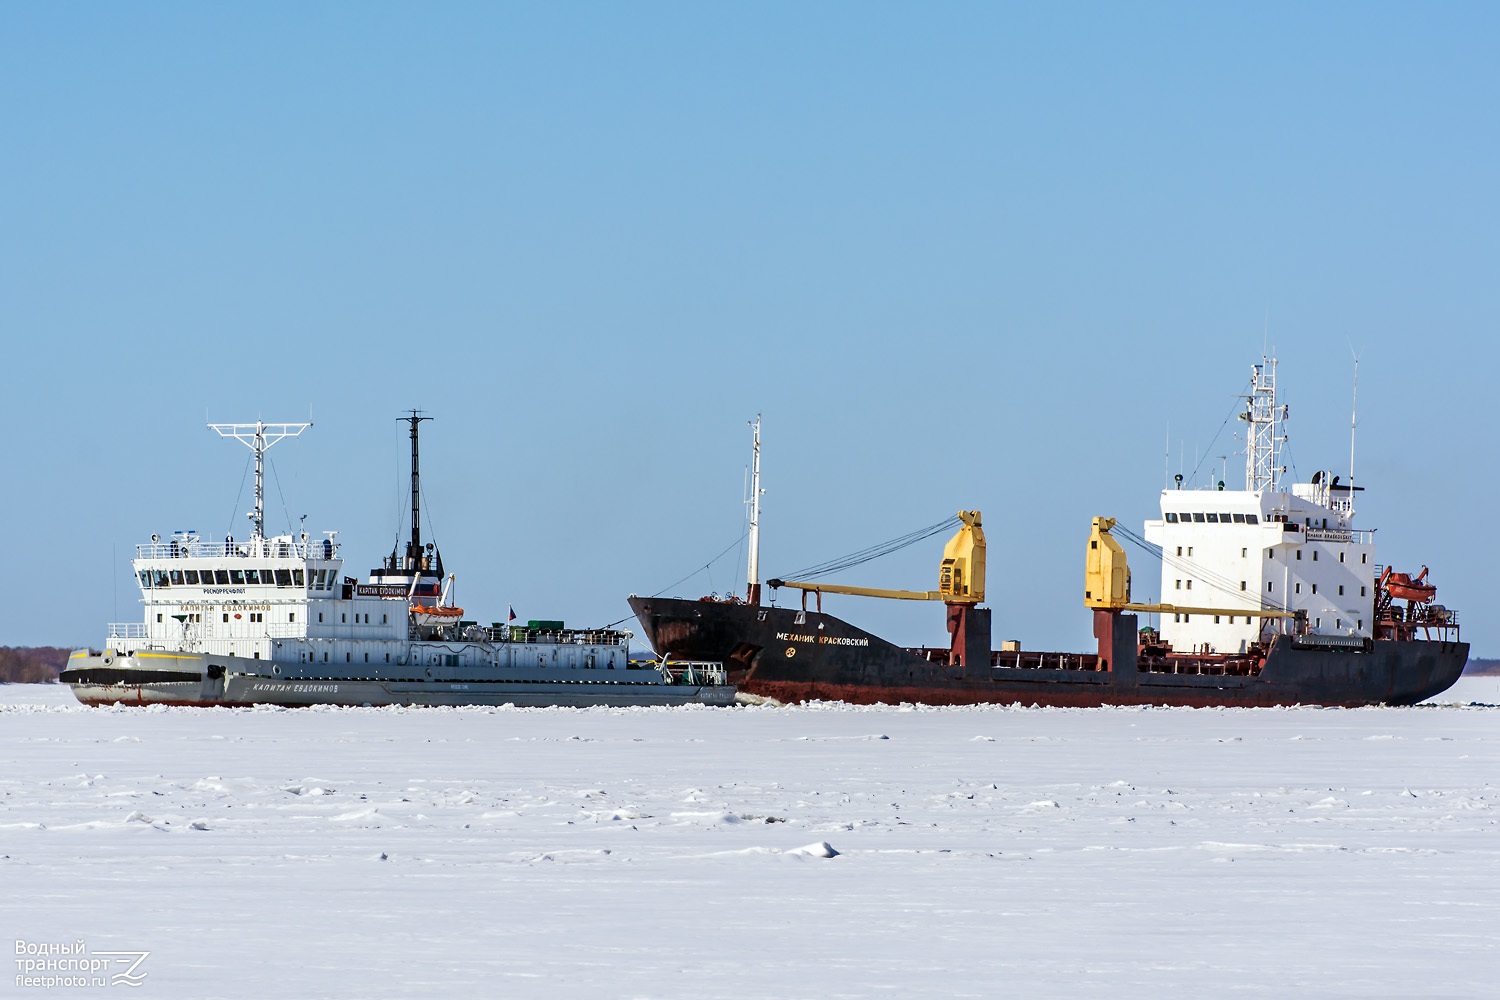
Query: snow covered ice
pixel 824 851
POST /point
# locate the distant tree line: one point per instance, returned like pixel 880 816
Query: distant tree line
pixel 1478 666
pixel 31 664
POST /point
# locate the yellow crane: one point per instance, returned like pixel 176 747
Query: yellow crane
pixel 960 575
pixel 1106 582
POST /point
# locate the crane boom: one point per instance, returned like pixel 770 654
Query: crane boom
pixel 1177 608
pixel 1106 582
pixel 834 588
pixel 960 575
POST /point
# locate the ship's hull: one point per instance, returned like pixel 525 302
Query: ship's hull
pixel 184 678
pixel 794 655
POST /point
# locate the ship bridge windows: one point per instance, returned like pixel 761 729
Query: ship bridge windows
pixel 221 577
pixel 1211 517
pixel 237 577
pixel 283 578
pixel 252 577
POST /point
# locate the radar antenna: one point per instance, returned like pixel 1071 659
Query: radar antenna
pixel 1263 438
pixel 258 437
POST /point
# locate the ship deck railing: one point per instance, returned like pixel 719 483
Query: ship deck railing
pixel 566 637
pixel 1020 659
pixel 1204 666
pixel 265 548
pixel 511 636
pixel 1029 660
pixel 703 672
pixel 127 630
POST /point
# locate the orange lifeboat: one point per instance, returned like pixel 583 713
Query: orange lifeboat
pixel 1402 587
pixel 423 615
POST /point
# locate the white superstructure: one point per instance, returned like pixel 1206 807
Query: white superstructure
pixel 1263 547
pixel 248 598
pixel 275 621
pixel 284 599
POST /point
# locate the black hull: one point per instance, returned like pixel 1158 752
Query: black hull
pixel 792 655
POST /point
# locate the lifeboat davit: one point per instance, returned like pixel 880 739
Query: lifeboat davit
pixel 1402 587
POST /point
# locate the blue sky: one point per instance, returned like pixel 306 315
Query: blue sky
pixel 958 255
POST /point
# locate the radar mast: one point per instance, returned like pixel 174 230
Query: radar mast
pixel 259 436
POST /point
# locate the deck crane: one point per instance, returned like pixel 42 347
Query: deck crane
pixel 960 586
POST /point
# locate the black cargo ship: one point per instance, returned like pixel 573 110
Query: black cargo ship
pixel 1278 601
pixel 793 655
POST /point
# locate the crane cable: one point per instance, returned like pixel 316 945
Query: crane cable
pixel 873 552
pixel 1215 580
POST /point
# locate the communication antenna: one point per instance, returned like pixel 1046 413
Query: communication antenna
pixel 1263 442
pixel 259 436
pixel 414 547
pixel 752 590
pixel 1353 423
pixel 1166 461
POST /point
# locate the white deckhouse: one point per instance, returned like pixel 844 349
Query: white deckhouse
pixel 1264 547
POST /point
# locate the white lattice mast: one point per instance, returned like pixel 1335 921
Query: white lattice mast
pixel 258 437
pixel 1263 438
pixel 752 591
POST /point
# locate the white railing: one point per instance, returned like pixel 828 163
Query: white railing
pixel 264 548
pixel 693 672
pixel 127 630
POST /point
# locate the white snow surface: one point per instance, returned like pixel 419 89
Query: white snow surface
pixel 822 851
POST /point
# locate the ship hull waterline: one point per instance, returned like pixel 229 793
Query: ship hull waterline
pixel 205 680
pixel 793 656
